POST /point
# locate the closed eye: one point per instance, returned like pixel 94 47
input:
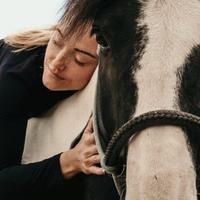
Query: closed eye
pixel 78 62
pixel 57 43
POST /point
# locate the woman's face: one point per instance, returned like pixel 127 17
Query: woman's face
pixel 69 65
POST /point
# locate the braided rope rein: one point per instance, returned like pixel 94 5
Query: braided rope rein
pixel 152 118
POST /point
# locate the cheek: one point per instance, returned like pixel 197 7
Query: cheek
pixel 45 76
pixel 46 57
pixel 86 76
pixel 50 52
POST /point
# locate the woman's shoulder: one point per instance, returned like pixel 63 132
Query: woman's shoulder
pixel 4 47
pixel 13 95
pixel 1 42
pixel 13 60
pixel 24 65
pixel 10 50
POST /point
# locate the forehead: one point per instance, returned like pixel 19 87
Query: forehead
pixel 84 43
pixel 116 11
pixel 84 36
pixel 118 20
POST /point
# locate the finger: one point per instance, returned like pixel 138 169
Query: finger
pixel 89 127
pixel 96 170
pixel 91 151
pixel 89 139
pixel 92 160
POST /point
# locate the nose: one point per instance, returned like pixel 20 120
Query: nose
pixel 58 64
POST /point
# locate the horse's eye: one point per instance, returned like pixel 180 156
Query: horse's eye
pixel 101 41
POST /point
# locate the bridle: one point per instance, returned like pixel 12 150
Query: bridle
pixel 110 159
pixel 153 118
pixel 110 155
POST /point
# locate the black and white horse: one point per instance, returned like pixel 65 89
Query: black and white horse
pixel 149 61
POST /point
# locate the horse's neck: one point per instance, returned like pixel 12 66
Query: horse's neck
pixel 159 161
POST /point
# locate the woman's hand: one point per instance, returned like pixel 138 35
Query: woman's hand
pixel 83 157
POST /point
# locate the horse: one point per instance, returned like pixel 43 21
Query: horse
pixel 147 103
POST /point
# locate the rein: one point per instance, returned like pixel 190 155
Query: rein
pixel 153 118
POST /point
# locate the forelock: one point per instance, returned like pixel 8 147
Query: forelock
pixel 78 14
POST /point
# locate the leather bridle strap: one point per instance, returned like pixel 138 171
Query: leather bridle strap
pixel 153 118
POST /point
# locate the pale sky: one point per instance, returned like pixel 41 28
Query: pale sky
pixel 19 15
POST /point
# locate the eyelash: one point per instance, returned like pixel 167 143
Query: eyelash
pixel 56 43
pixel 78 62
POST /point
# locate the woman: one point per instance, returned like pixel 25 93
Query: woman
pixel 38 69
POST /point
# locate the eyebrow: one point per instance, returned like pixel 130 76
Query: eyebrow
pixel 85 52
pixel 76 49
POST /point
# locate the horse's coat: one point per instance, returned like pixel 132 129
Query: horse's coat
pixel 151 50
pixel 173 32
pixel 158 158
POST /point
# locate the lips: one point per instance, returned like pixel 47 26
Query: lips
pixel 55 76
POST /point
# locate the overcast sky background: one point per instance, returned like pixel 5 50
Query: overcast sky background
pixel 20 15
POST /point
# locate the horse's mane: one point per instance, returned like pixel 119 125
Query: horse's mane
pixel 79 14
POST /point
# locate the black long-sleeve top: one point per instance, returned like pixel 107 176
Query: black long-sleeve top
pixel 22 95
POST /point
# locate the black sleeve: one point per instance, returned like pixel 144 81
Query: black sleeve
pixel 16 178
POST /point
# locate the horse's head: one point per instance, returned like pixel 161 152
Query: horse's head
pixel 120 46
pixel 149 60
pixel 118 37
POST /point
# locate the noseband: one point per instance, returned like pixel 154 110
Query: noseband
pixel 110 157
pixel 154 118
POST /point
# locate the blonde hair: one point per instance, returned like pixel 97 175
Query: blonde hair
pixel 28 40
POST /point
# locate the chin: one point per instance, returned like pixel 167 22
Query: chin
pixel 49 85
pixel 53 87
pixel 56 87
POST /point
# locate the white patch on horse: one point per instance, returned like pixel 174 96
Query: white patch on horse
pixel 173 30
pixel 159 163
